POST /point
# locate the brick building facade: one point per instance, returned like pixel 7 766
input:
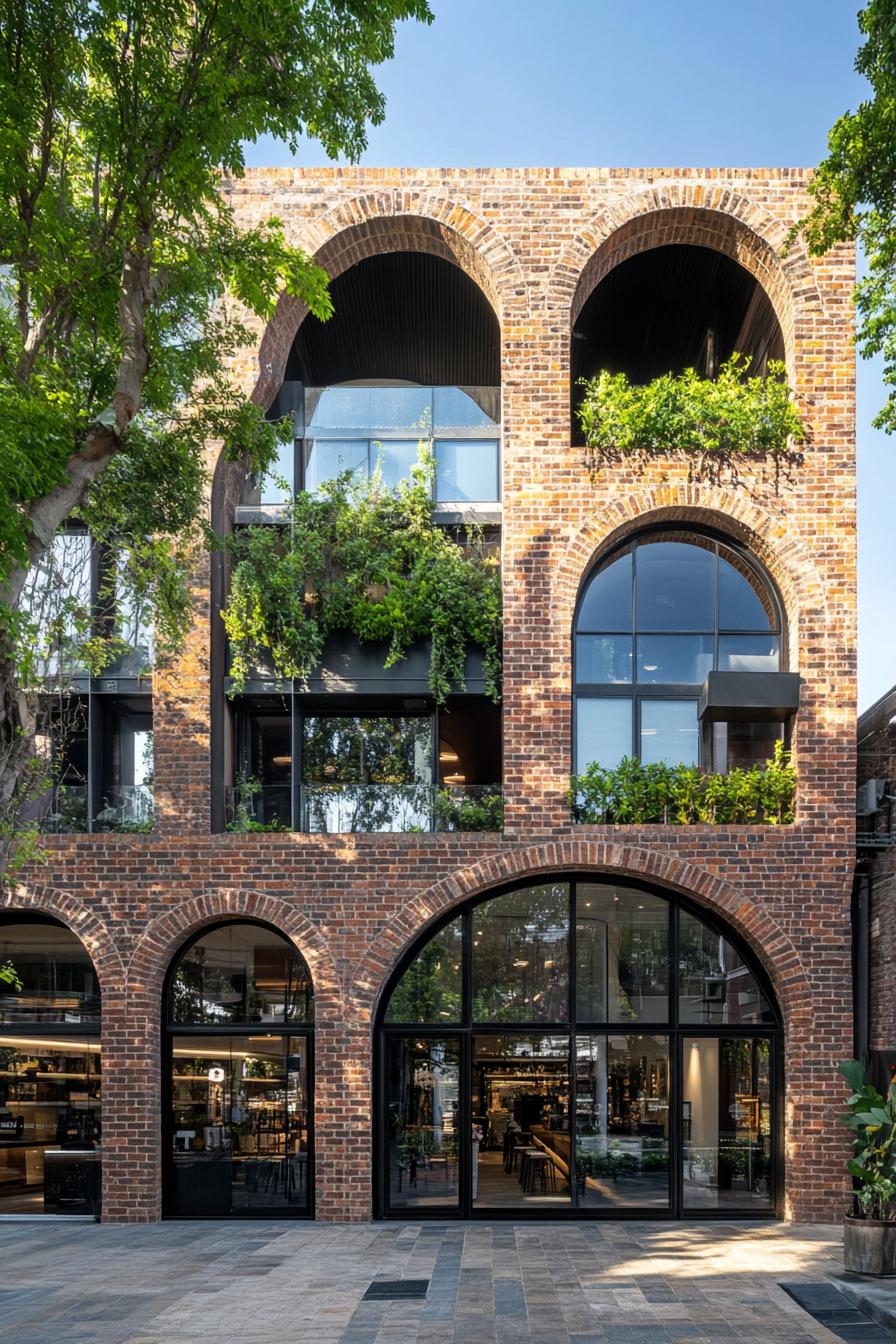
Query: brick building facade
pixel 537 242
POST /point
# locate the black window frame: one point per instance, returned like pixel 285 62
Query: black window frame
pixel 467 1029
pixel 636 692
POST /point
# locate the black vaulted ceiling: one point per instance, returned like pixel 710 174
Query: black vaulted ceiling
pixel 651 314
pixel 403 315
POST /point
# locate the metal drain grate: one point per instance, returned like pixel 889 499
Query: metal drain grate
pixel 833 1309
pixel 405 1289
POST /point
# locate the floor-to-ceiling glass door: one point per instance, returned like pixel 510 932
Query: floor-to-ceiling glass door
pixel 587 1048
pixel 239 1073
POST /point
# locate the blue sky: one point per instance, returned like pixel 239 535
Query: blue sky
pixel 645 84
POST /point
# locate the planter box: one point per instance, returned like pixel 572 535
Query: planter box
pixel 869 1247
pixel 348 666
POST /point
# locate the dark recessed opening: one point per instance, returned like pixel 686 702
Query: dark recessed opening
pixel 668 309
pixel 404 315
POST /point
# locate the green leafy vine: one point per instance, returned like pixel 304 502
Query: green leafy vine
pixel 362 558
pixel 718 424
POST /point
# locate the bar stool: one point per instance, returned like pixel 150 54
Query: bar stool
pixel 540 1176
pixel 524 1153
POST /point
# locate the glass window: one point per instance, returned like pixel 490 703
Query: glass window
pixel 467 470
pixel 674 586
pixel 337 408
pixel 669 732
pixel 603 731
pixel 749 653
pixel 59 983
pixel 727 1123
pixel 622 1121
pixel 607 604
pixel 394 457
pixel 400 408
pixel 454 407
pixel 422 1122
pixel 240 1118
pixel 521 957
pixel 50 1125
pixel 241 973
pixel 366 774
pixel 740 605
pixel 325 459
pixel 622 955
pixel 604 659
pixel 674 658
pixel 715 987
pixel 430 989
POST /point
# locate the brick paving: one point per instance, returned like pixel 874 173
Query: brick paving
pixel 489 1283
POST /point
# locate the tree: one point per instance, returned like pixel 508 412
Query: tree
pixel 855 194
pixel 123 271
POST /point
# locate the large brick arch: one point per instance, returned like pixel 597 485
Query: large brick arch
pixel 393 221
pixel 96 938
pixel 767 941
pixel 682 504
pixel 696 213
pixel 166 935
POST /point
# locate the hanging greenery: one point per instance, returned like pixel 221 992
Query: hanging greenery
pixel 363 558
pixel 682 795
pixel 718 424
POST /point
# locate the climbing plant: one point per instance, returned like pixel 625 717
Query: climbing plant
pixel 719 425
pixel 361 557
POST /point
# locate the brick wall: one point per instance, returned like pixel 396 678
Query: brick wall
pixel 877 760
pixel 536 241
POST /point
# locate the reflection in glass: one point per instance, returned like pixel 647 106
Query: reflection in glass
pixel 520 956
pixel 422 1099
pixel 714 985
pixel 326 459
pixel 521 1151
pixel 604 659
pixel 366 774
pixel 603 731
pixel 622 1121
pixel 740 606
pixel 669 732
pixel 394 459
pixel 467 469
pixel 726 1123
pixel 239 1124
pixel 430 988
pixel 622 955
pixel 50 1128
pixel 59 983
pixel 674 658
pixel 739 745
pixel 749 653
pixel 674 586
pixel 241 973
pixel 457 407
pixel 607 604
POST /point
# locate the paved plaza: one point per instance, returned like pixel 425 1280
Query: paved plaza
pixel 496 1283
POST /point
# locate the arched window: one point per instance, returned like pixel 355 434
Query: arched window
pixel 653 620
pixel 239 1012
pixel 582 1046
pixel 50 1082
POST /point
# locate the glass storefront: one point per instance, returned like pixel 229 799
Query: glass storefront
pixel 239 1126
pixel 50 1075
pixel 584 1047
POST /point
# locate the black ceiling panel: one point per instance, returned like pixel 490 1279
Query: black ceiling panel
pixel 403 315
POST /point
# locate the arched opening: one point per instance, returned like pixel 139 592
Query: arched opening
pixel 50 1079
pixel 238 1131
pixel 583 1047
pixel 667 308
pixel 658 617
pixel 409 361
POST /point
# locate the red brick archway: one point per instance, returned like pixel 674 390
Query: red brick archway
pixel 83 922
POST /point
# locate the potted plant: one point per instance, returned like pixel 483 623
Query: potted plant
pixel 870 1231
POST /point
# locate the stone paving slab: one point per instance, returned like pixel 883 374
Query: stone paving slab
pixel 489 1283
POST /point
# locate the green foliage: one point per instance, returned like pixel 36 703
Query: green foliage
pixel 9 977
pixel 638 794
pixel 366 559
pixel 854 190
pixel 479 811
pixel 872 1119
pixel 243 819
pixel 719 424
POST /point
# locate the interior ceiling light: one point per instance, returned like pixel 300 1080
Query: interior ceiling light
pixel 281 760
pixel 454 779
pixel 448 755
pixel 651 667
